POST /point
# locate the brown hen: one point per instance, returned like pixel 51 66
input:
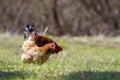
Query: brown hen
pixel 36 48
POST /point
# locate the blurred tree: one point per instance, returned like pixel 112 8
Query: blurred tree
pixel 62 17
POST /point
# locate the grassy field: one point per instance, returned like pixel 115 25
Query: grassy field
pixel 82 58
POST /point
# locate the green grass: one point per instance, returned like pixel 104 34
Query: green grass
pixel 82 58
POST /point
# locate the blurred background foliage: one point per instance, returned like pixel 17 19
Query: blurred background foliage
pixel 62 17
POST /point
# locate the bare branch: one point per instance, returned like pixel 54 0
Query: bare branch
pixel 18 17
pixel 56 18
pixel 44 32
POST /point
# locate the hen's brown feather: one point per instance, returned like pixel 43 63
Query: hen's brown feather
pixel 41 41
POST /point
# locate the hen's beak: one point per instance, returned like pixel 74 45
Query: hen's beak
pixel 58 49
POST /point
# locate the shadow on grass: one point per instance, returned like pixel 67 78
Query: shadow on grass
pixel 7 75
pixel 88 75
